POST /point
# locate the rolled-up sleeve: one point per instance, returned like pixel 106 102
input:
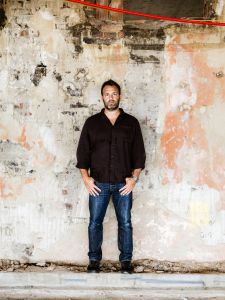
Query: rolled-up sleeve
pixel 138 149
pixel 83 149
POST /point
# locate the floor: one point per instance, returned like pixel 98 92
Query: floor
pixel 69 285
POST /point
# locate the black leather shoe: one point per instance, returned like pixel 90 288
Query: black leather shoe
pixel 93 267
pixel 126 267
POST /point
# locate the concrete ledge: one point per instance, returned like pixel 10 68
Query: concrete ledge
pixel 68 285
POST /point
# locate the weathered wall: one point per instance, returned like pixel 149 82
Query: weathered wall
pixel 192 143
pixel 53 59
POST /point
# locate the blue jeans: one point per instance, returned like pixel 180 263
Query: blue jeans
pixel 97 207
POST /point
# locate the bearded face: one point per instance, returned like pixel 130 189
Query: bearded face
pixel 111 97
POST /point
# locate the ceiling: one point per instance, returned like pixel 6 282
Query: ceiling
pixel 170 8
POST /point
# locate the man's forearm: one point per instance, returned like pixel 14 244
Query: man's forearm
pixel 84 173
pixel 136 172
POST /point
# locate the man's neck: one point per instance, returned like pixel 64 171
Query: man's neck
pixel 112 114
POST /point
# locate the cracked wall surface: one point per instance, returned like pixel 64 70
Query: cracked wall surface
pixel 54 56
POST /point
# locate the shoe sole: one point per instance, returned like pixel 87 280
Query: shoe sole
pixel 126 272
pixel 93 271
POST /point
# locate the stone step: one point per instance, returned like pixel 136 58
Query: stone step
pixel 106 286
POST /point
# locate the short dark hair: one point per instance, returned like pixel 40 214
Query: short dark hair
pixel 112 83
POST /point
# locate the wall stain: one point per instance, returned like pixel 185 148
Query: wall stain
pixel 142 38
pixel 3 18
pixel 78 105
pixel 220 74
pixel 90 34
pixel 76 128
pixel 139 38
pixel 70 113
pixel 17 75
pixel 136 38
pixel 29 250
pixel 68 206
pixel 144 59
pixel 39 73
pixel 58 76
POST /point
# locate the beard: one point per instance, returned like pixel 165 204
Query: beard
pixel 111 104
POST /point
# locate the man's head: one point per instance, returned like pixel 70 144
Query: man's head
pixel 110 91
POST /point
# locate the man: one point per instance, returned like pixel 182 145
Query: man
pixel 111 146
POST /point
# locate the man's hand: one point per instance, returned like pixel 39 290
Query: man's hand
pixel 91 187
pixel 130 184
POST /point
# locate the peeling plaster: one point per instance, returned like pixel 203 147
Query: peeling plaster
pixel 39 73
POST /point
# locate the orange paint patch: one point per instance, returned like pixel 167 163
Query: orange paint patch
pixel 172 50
pixel 29 180
pixel 200 84
pixel 195 134
pixel 208 169
pixel 173 137
pixel 206 179
pixel 182 130
pixel 3 132
pixel 9 191
pixel 22 139
pixel 165 180
pixel 2 187
pixel 204 79
pixel 207 85
pixel 3 190
pixel 42 156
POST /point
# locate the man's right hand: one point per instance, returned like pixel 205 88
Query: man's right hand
pixel 91 187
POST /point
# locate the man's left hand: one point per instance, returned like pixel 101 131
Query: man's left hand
pixel 130 184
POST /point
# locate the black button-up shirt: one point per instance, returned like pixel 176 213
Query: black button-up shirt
pixel 111 152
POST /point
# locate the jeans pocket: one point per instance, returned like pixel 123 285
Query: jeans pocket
pixel 121 185
pixel 96 182
pixel 99 185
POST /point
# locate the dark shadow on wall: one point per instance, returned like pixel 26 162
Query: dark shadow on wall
pixel 172 8
pixel 3 17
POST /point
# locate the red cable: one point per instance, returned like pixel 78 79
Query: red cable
pixel 129 12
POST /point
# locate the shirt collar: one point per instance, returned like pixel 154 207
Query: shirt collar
pixel 120 117
pixel 103 111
